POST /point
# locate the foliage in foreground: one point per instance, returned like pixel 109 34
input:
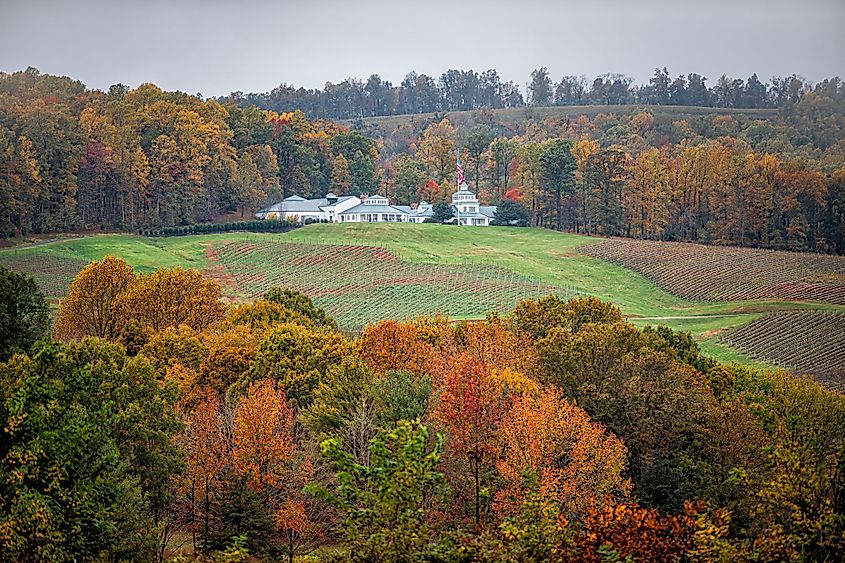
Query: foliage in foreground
pixel 558 432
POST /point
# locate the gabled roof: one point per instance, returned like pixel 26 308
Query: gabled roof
pixel 339 200
pixel 488 210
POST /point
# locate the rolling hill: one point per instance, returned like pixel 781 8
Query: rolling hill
pixel 363 272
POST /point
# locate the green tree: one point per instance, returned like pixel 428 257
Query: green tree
pixel 442 212
pixel 476 145
pixel 298 302
pixel 337 396
pixel 386 504
pixel 362 173
pixel 511 213
pixel 87 455
pixel 401 395
pixel 298 358
pixel 24 313
pixel 557 173
pixel 409 178
pixel 604 177
pixel 540 87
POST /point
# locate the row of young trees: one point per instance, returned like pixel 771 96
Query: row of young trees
pixel 457 90
pixel 558 432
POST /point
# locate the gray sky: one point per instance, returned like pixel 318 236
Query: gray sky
pixel 216 47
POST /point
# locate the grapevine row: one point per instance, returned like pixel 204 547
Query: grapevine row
pixel 363 284
pixel 804 341
pixel 707 273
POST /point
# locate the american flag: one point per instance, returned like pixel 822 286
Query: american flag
pixel 460 171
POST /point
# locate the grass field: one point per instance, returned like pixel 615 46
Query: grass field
pixel 419 256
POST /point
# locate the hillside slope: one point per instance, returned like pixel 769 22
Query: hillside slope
pixel 475 268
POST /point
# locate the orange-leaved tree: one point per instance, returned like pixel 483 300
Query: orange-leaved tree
pixel 473 401
pixel 573 460
pixel 266 454
pixel 206 458
pixel 630 532
pixel 394 345
pixel 263 435
pixel 494 344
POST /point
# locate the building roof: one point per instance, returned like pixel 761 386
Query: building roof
pixel 340 199
pixel 365 208
pixel 297 204
pixel 488 210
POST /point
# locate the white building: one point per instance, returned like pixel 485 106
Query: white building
pixel 376 209
pixel 295 208
pixel 467 210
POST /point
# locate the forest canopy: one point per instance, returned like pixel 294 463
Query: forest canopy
pixel 78 159
pixel 556 432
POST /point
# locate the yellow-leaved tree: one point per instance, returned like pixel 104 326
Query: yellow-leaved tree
pixel 94 305
pixel 107 296
pixel 175 297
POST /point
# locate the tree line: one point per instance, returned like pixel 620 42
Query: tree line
pixel 72 158
pixel 144 159
pixel 158 422
pixel 459 90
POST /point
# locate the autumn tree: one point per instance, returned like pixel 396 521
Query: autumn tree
pixel 227 359
pixel 341 179
pixel 648 195
pixel 262 436
pixel 473 401
pixel 175 297
pixel 437 151
pixel 637 533
pixel 96 302
pixel 207 455
pixel 249 185
pixel 537 317
pixel 298 358
pixel 575 460
pixel 394 345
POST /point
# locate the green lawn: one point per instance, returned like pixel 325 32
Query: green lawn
pixel 544 255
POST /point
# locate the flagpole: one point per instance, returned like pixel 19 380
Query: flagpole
pixel 458 181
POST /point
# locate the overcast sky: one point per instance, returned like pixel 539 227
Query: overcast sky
pixel 215 47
